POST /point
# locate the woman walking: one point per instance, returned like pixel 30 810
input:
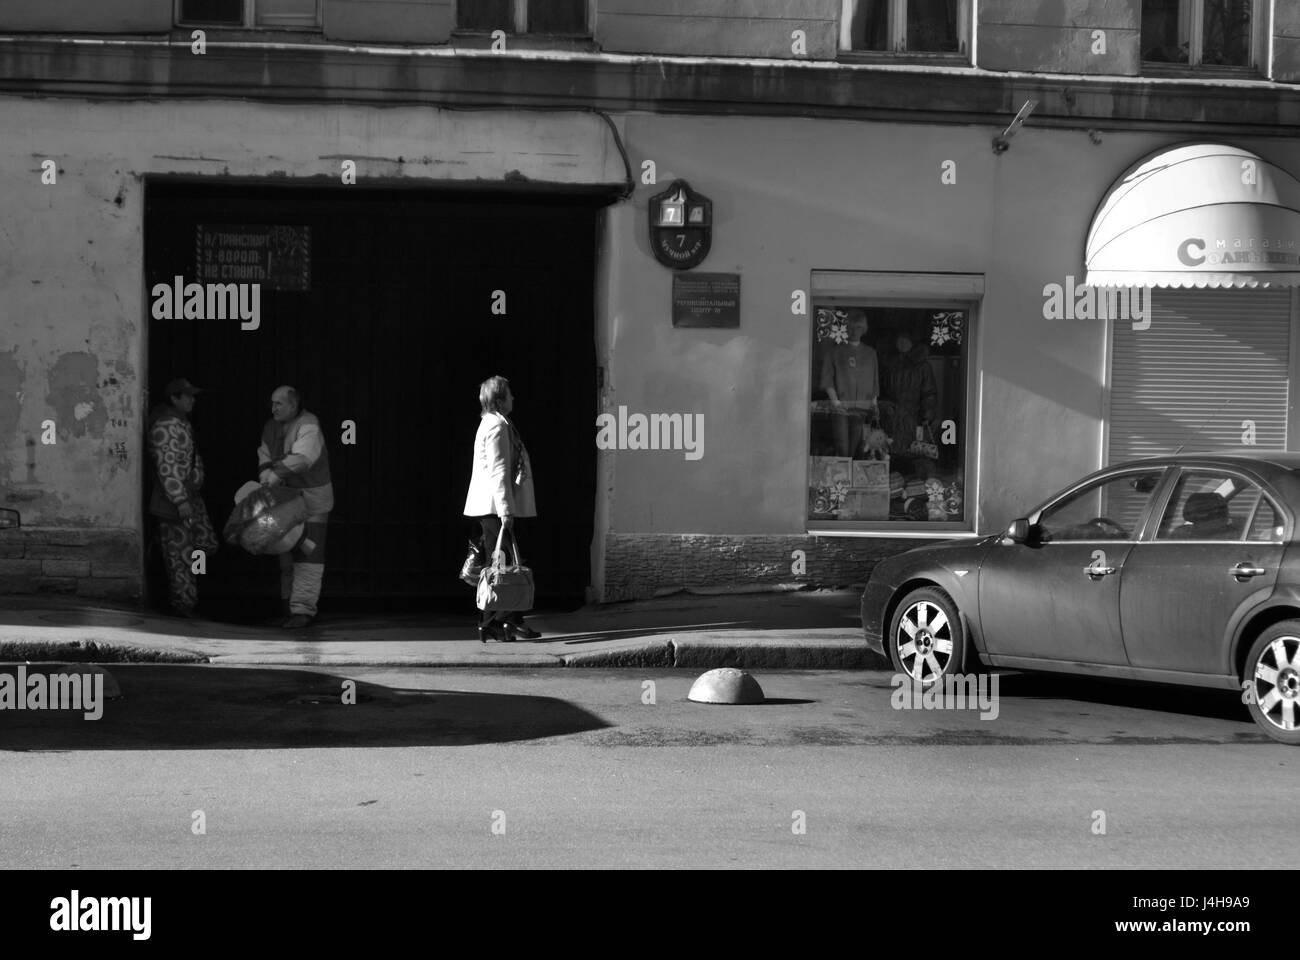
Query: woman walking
pixel 500 491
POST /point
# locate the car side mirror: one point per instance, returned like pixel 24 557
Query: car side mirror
pixel 1018 532
pixel 9 518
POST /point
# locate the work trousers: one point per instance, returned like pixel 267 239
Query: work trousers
pixel 303 568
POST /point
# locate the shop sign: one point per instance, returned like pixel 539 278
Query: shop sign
pixel 277 257
pixel 681 226
pixel 1195 251
pixel 706 300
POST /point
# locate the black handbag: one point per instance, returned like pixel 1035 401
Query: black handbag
pixel 473 565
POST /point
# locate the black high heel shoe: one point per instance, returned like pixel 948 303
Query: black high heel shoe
pixel 493 633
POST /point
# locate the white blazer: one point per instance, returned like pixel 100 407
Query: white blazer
pixel 492 489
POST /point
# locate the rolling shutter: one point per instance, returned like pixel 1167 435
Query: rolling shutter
pixel 1210 359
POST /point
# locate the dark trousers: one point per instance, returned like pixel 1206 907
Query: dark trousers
pixel 491 529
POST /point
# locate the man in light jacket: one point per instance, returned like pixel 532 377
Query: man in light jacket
pixel 293 453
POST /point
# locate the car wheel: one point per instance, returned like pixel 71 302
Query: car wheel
pixel 1271 683
pixel 926 641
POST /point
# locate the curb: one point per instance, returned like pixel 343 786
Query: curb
pixel 784 649
pixel 92 651
pixel 527 661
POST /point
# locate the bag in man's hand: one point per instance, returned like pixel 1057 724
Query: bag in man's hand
pixel 267 521
pixel 473 565
pixel 503 586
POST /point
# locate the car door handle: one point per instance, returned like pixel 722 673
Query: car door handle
pixel 1244 569
pixel 1096 571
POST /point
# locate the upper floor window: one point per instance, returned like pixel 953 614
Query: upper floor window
pixel 925 27
pixel 302 14
pixel 1203 33
pixel 548 17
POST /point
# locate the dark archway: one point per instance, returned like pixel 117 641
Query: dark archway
pixel 394 333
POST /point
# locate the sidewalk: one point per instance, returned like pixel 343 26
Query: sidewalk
pixel 814 629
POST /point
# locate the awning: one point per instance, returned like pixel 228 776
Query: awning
pixel 1198 215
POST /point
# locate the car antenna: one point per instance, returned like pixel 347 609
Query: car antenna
pixel 1190 435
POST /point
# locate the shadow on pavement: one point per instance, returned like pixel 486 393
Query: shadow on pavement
pixel 1197 701
pixel 209 708
pixel 1073 691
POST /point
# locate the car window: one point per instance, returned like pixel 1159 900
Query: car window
pixel 1106 510
pixel 1210 505
pixel 1267 526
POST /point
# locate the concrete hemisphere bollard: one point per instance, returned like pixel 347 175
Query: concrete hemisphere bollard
pixel 726 685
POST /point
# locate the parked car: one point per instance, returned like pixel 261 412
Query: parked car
pixel 9 518
pixel 1182 569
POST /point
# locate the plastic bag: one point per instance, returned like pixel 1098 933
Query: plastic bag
pixel 473 565
pixel 268 520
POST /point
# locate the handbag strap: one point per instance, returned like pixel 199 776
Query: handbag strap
pixel 514 544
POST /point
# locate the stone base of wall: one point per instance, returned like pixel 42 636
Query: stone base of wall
pixel 638 566
pixel 100 564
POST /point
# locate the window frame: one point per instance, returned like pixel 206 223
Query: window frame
pixel 519 23
pixel 912 299
pixel 1266 495
pixel 897 21
pixel 248 19
pixel 1191 23
pixel 1155 505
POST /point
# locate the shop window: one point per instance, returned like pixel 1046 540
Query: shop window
pixel 906 26
pixel 544 17
pixel 300 14
pixel 1202 33
pixel 889 415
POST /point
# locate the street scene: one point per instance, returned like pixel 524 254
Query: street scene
pixel 645 435
pixel 826 775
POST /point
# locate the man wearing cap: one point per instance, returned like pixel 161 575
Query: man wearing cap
pixel 183 524
pixel 293 453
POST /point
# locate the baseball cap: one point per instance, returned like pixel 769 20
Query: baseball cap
pixel 181 385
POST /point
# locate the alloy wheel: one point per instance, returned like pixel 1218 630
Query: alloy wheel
pixel 924 641
pixel 1276 682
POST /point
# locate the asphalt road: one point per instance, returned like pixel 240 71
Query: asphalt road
pixel 549 768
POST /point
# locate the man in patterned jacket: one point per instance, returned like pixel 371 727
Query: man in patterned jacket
pixel 293 453
pixel 183 524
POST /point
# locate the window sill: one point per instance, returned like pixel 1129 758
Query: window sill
pixel 221 31
pixel 477 39
pixel 1182 71
pixel 911 57
pixel 900 531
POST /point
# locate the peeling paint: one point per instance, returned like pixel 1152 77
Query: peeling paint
pixel 11 396
pixel 73 384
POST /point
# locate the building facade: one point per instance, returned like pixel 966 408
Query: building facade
pixel 1071 230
